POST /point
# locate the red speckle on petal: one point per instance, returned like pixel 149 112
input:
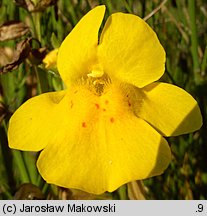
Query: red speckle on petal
pixel 112 120
pixel 84 124
pixel 104 110
pixel 129 104
pixel 106 101
pixel 97 106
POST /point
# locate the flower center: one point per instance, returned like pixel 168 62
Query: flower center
pixel 97 81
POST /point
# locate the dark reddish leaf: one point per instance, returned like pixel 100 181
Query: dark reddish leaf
pixel 39 6
pixel 28 191
pixel 13 30
pixel 27 4
pixel 42 4
pixel 6 55
pixel 21 52
pixel 36 55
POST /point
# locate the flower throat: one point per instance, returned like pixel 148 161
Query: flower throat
pixel 96 81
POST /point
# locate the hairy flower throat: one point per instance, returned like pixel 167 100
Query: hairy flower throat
pixel 96 81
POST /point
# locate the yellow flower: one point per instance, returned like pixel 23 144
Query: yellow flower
pixel 50 59
pixel 107 127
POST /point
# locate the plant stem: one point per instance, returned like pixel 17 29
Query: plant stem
pixel 31 167
pixel 136 190
pixel 194 42
pixel 21 166
pixel 18 159
pixel 122 191
pixel 127 6
pixel 36 18
pixel 35 34
pixel 73 14
pixel 204 62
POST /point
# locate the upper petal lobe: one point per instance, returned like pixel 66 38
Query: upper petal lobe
pixel 78 52
pixel 130 51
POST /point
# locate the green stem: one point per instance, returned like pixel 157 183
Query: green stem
pixel 73 14
pixel 109 6
pixel 41 75
pixel 42 79
pixel 36 18
pixel 19 161
pixel 204 62
pixel 45 188
pixel 122 191
pixel 50 189
pixel 127 6
pixel 31 167
pixel 170 77
pixel 35 34
pixel 194 42
pixel 8 195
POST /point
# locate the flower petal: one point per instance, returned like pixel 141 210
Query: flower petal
pixel 32 126
pixel 101 146
pixel 50 59
pixel 170 109
pixel 79 49
pixel 130 50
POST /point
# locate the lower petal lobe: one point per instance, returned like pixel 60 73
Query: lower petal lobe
pixel 101 144
pixel 170 109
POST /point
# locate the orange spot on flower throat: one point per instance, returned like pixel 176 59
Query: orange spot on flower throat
pixel 112 120
pixel 97 106
pixel 84 124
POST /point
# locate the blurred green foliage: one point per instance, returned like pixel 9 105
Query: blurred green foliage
pixel 182 29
